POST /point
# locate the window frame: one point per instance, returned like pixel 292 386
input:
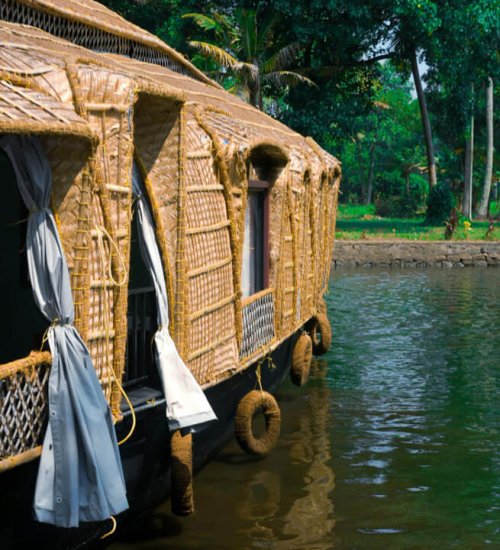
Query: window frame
pixel 262 186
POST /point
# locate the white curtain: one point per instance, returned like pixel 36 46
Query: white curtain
pixel 187 405
pixel 80 475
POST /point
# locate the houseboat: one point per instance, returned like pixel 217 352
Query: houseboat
pixel 165 248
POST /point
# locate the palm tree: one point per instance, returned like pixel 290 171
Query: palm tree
pixel 242 53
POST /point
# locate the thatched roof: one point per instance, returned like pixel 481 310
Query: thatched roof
pixel 33 111
pixel 43 60
pixel 92 25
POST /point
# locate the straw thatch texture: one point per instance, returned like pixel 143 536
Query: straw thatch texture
pixel 92 25
pixel 29 111
pixel 23 407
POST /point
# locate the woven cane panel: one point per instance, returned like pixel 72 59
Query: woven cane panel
pixel 205 208
pixel 306 255
pixel 23 409
pixel 68 162
pixel 224 359
pixel 157 142
pixel 108 98
pixel 287 281
pixel 210 287
pixel 100 334
pixel 211 328
pixel 210 276
pixel 258 324
pixel 215 364
pixel 320 236
pixel 71 196
pixel 205 249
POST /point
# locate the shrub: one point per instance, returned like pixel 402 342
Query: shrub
pixel 394 206
pixel 439 204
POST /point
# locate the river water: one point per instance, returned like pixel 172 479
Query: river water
pixel 394 443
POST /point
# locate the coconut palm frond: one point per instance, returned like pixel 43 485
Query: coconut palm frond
pixel 287 78
pixel 203 21
pixel 264 30
pixel 219 55
pixel 282 58
pixel 247 23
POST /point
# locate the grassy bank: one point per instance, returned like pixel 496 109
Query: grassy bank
pixel 360 222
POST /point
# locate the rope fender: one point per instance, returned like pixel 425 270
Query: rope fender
pixel 182 502
pixel 301 360
pixel 248 407
pixel 321 334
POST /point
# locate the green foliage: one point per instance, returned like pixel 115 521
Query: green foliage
pixel 396 206
pixel 243 48
pixel 361 111
pixel 440 204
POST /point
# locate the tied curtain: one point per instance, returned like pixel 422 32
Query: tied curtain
pixel 187 405
pixel 80 476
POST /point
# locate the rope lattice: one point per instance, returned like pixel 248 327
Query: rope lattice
pixel 258 323
pixel 23 404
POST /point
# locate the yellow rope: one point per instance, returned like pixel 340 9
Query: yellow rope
pixel 107 330
pixel 103 231
pixel 113 528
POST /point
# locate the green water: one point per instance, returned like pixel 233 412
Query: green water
pixel 394 443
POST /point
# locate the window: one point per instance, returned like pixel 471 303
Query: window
pixel 141 319
pixel 255 264
pixel 21 324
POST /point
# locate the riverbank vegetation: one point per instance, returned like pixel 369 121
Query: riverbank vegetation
pixel 361 222
pixel 402 91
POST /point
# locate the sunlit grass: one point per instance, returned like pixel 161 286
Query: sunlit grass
pixel 360 222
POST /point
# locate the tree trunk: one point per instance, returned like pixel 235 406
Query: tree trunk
pixel 361 176
pixel 468 170
pixel 371 172
pixel 429 146
pixel 483 209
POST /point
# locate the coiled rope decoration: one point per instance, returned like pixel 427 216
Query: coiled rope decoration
pixel 181 499
pixel 253 402
pixel 301 359
pixel 321 334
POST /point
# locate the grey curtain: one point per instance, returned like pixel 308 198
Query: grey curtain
pixel 80 475
pixel 187 405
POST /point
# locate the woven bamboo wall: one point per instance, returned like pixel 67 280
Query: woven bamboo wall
pixel 195 161
pixel 157 146
pixel 107 99
pixel 211 332
pixel 71 197
pixel 306 246
pixel 287 283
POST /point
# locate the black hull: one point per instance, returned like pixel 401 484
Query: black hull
pixel 145 458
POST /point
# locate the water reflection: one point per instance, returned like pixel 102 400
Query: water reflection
pixel 404 409
pixel 282 502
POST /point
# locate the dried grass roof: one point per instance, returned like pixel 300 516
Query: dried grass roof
pixel 34 111
pixel 94 14
pixel 42 59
